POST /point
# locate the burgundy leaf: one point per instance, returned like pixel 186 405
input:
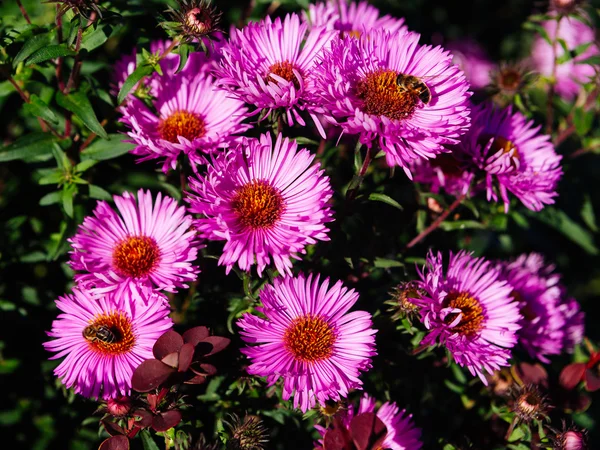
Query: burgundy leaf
pixel 367 431
pixel 336 439
pixel 532 374
pixel 571 375
pixel 115 443
pixel 218 343
pixel 208 369
pixel 166 420
pixel 169 342
pixel 172 360
pixel 195 335
pixel 112 428
pixel 149 375
pixel 198 379
pixel 144 418
pixel 186 354
pixel 592 380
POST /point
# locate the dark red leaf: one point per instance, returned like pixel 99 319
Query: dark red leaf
pixel 115 443
pixel 143 418
pixel 571 375
pixel 166 420
pixel 169 342
pixel 208 369
pixel 186 354
pixel 149 375
pixel 218 343
pixel 198 379
pixel 592 380
pixel 112 428
pixel 336 439
pixel 172 359
pixel 367 431
pixel 532 374
pixel 195 335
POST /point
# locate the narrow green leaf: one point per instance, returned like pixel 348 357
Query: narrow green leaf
pixel 68 193
pixel 51 198
pixel 96 37
pixel 78 103
pixel 376 197
pixel 33 45
pixel 383 263
pixel 184 52
pixel 587 214
pixel 461 225
pixel 38 108
pixel 98 193
pixel 50 52
pixel 132 80
pixel 147 441
pixel 53 178
pixel 62 160
pixel 592 60
pixel 33 144
pixel 583 121
pixel 538 29
pixel 101 150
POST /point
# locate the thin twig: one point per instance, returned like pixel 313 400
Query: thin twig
pixel 436 223
pixel 360 176
pixel 22 8
pixel 550 101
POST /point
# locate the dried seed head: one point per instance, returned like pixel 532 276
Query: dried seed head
pixel 402 300
pixel 247 434
pixel 193 19
pixel 530 404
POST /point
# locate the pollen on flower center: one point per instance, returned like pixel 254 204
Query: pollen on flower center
pixel 381 95
pixel 116 337
pixel 472 313
pixel 284 70
pixel 258 205
pixel 499 143
pixel 136 256
pixel 181 123
pixel 309 339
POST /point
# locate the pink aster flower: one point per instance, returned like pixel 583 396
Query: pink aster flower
pixel 539 295
pixel 470 310
pixel 351 18
pixel 267 64
pixel 309 339
pixel 357 88
pixel 103 339
pixel 514 156
pixel 574 322
pixel 473 61
pixel 192 117
pixel 268 201
pixel 140 243
pixel 569 75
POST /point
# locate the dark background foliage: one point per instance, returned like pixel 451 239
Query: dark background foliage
pixel 366 250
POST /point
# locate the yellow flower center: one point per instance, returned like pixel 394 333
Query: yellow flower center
pixel 284 70
pixel 181 123
pixel 136 256
pixel 309 339
pixel 110 333
pixel 381 95
pixel 499 144
pixel 258 205
pixel 472 318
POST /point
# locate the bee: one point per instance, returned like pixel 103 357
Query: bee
pixel 414 86
pixel 101 333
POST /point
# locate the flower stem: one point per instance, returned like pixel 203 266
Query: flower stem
pixel 360 176
pixel 23 11
pixel 511 428
pixel 436 223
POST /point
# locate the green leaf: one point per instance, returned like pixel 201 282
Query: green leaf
pixel 54 178
pixel 184 52
pixel 383 263
pixel 95 38
pixel 85 165
pixel 147 441
pixel 583 121
pixel 132 80
pixel 78 103
pixel 50 52
pixel 33 45
pixel 98 193
pixel 33 144
pixel 461 225
pixel 587 214
pixel 560 221
pixel 592 60
pixel 68 192
pixel 539 30
pixel 107 149
pixel 38 108
pixel 51 198
pixel 385 199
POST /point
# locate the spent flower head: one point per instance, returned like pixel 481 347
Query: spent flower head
pixel 193 20
pixel 246 434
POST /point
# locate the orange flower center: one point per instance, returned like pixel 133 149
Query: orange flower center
pixel 509 79
pixel 381 95
pixel 284 70
pixel 258 205
pixel 499 144
pixel 472 313
pixel 181 123
pixel 309 339
pixel 110 333
pixel 136 256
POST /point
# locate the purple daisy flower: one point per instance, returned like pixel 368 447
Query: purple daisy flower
pixel 470 310
pixel 351 18
pixel 142 243
pixel 267 64
pixel 104 339
pixel 309 339
pixel 473 61
pixel 574 323
pixel 357 88
pixel 192 117
pixel 539 296
pixel 514 156
pixel 267 201
pixel 569 75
